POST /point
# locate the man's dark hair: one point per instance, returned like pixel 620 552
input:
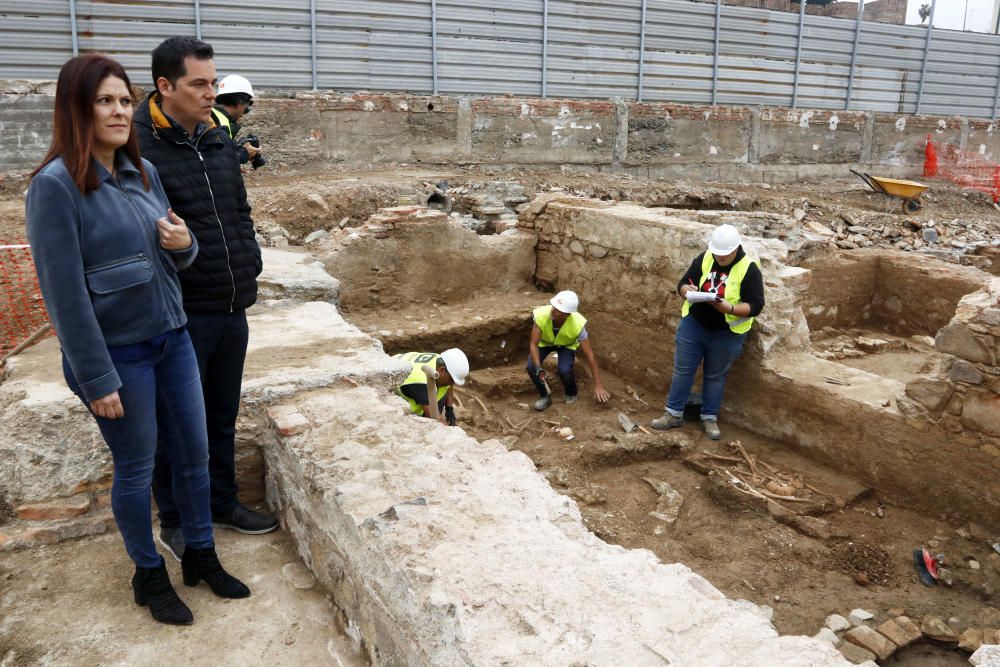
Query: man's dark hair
pixel 232 99
pixel 168 57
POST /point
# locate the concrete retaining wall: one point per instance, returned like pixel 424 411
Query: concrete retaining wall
pixel 725 143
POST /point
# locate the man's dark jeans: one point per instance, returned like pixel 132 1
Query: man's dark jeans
pixel 564 369
pixel 220 343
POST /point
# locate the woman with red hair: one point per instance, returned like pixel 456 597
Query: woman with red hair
pixel 107 250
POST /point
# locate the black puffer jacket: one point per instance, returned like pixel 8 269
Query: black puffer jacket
pixel 204 184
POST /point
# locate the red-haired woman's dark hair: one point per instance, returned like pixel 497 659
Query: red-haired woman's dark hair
pixel 73 119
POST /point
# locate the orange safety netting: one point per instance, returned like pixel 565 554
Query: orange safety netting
pixel 968 170
pixel 22 311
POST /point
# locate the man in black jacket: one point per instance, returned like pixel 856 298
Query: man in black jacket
pixel 201 175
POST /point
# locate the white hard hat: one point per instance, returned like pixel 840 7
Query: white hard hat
pixel 234 83
pixel 725 239
pixel 565 302
pixel 457 364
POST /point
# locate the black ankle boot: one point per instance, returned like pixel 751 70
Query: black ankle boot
pixel 203 565
pixel 152 587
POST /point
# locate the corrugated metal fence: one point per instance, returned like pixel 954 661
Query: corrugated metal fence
pixel 654 50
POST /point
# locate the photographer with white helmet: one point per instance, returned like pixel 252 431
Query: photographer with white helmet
pixel 233 101
pixel 723 291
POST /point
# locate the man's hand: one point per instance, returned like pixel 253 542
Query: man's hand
pixel 174 234
pixel 251 151
pixel 601 394
pixel 540 374
pixel 109 407
pixel 449 415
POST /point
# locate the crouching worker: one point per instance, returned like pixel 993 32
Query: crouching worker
pixel 712 331
pixel 559 328
pixel 452 367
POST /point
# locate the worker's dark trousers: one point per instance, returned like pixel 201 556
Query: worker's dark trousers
pixel 220 343
pixel 567 358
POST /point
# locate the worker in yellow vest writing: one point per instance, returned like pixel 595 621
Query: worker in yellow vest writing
pixel 452 367
pixel 559 328
pixel 723 292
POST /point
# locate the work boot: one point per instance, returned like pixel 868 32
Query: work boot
pixel 172 539
pixel 245 521
pixel 711 428
pixel 543 403
pixel 570 400
pixel 666 422
pixel 152 588
pixel 203 565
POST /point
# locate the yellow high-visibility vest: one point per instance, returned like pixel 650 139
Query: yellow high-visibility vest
pixel 417 376
pixel 568 334
pixel 738 271
pixel 223 121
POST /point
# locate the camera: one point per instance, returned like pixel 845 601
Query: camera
pixel 258 160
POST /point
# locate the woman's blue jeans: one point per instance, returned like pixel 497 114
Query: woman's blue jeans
pixel 694 344
pixel 160 372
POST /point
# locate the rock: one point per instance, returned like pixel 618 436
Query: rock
pixel 576 247
pixel 859 616
pixel 982 412
pixel 963 371
pixel 929 234
pixel 287 420
pixel 669 504
pixel 872 641
pixel 837 623
pixel 971 640
pixel 597 251
pixel 946 577
pixel 900 634
pixel 934 627
pixel 855 654
pixel 957 339
pixel 60 508
pixel 343 222
pixel 827 635
pixel 316 237
pixel 932 394
pixel 872 344
pixel 298 575
pixel 317 201
pixel 974 565
pixel 818 228
pixel 798 214
pixel 986 656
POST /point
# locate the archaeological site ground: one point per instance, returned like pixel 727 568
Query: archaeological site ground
pixel 861 423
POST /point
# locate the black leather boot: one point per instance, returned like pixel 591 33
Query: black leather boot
pixel 203 565
pixel 152 588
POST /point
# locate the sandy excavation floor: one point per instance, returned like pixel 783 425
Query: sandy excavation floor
pixel 71 604
pixel 737 546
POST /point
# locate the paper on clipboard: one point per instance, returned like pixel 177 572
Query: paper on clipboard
pixel 701 297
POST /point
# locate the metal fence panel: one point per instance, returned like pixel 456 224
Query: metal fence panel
pixel 485 47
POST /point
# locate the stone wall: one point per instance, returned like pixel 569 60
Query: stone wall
pixel 724 143
pixel 625 261
pixel 966 395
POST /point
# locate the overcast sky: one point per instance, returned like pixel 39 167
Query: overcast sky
pixel 949 13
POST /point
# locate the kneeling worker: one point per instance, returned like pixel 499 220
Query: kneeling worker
pixel 559 327
pixel 452 367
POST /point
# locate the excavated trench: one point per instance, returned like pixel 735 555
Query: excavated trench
pixel 868 327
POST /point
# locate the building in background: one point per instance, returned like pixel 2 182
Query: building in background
pixel 883 11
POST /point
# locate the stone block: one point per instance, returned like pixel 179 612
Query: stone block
pixel 837 623
pixel 932 394
pixel 957 339
pixel 859 616
pixel 871 640
pixel 934 627
pixel 982 412
pixel 60 508
pixel 288 420
pixel 900 634
pixel 971 640
pixel 986 656
pixel 827 635
pixel 855 654
pixel 963 371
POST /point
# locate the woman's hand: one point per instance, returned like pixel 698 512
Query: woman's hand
pixel 109 407
pixel 174 234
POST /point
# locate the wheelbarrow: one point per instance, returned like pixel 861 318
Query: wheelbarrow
pixel 908 191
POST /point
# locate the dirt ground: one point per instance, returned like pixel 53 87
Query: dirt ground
pixel 71 604
pixel 737 546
